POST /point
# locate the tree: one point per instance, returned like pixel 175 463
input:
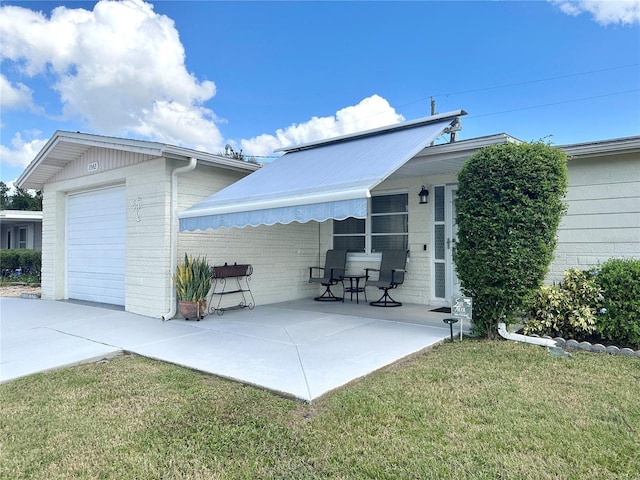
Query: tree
pixel 4 196
pixel 509 207
pixel 20 199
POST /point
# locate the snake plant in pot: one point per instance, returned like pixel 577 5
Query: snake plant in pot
pixel 192 281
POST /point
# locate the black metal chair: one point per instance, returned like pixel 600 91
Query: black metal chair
pixel 331 274
pixel 391 274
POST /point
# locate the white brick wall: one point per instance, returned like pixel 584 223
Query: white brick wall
pixel 148 239
pixel 280 254
pixel 148 185
pixel 603 216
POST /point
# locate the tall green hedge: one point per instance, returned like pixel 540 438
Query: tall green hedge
pixel 509 206
pixel 28 260
pixel 619 322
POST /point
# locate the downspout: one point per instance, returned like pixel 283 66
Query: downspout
pixel 173 247
pixel 545 342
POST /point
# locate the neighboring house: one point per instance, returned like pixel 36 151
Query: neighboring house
pixel 360 192
pixel 20 229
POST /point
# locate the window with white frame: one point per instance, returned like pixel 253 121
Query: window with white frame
pixel 385 228
pixel 22 237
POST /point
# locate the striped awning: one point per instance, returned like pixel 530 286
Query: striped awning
pixel 326 180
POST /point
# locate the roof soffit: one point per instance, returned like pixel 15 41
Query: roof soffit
pixel 66 147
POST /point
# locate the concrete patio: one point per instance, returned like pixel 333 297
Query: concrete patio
pixel 302 349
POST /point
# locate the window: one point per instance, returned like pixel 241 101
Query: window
pixel 22 237
pixel 349 234
pixel 387 226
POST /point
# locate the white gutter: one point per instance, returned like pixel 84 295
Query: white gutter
pixel 173 247
pixel 545 342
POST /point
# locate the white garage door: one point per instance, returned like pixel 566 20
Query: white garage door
pixel 96 224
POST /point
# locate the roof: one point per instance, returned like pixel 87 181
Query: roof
pixel 17 216
pixel 21 214
pixel 614 146
pixel 327 179
pixel 65 147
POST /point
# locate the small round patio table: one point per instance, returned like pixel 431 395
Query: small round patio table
pixel 354 286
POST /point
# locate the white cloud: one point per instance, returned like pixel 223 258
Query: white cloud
pixel 16 96
pixel 372 112
pixel 120 68
pixel 22 152
pixel 626 12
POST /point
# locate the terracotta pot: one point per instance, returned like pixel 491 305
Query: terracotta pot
pixel 192 309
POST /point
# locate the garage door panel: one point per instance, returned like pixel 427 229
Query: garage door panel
pixel 96 223
pixel 107 288
pixel 106 223
pixel 86 243
pixel 88 255
pixel 96 270
pixel 111 284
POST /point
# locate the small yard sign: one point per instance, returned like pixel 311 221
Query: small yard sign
pixel 462 307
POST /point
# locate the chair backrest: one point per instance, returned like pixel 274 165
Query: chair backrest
pixel 336 260
pixel 393 260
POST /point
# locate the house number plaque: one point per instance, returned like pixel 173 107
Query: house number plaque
pixel 92 167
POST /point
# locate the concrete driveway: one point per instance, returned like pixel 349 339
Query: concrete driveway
pixel 301 349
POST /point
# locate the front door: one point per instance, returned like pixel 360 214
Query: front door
pixel 445 234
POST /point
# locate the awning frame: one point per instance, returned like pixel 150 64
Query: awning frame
pixel 315 182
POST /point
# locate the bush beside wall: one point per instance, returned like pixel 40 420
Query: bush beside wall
pixel 30 261
pixel 600 305
pixel 619 322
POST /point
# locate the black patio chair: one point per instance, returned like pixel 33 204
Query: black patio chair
pixel 329 275
pixel 391 274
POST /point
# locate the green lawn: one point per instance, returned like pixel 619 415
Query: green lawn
pixel 471 409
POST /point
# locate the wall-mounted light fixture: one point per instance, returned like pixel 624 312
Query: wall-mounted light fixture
pixel 424 195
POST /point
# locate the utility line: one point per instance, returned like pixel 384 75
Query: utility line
pixel 527 82
pixel 554 103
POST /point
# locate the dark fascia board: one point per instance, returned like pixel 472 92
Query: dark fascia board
pixel 376 131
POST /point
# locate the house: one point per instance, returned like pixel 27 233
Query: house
pixel 20 229
pixel 603 215
pixel 109 231
pixel 123 199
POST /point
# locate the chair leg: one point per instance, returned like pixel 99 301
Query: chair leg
pixel 328 296
pixel 385 300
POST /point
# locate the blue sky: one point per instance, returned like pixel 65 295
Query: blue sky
pixel 263 75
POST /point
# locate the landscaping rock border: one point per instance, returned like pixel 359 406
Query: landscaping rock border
pixel 593 348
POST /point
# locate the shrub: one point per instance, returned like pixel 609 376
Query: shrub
pixel 620 319
pixel 192 279
pixel 28 261
pixel 568 310
pixel 509 206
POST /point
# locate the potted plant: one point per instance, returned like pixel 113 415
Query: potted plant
pixel 192 281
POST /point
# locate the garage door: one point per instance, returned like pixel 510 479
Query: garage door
pixel 96 224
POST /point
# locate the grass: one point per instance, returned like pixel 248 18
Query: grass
pixel 28 279
pixel 480 410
